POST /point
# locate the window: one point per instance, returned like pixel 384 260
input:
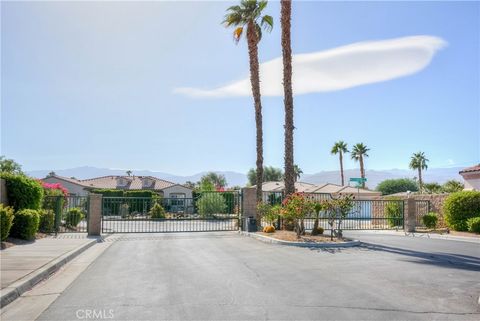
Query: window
pixel 177 199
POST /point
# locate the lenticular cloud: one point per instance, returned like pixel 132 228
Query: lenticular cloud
pixel 336 69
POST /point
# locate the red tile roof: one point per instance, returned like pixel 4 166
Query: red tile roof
pixel 471 169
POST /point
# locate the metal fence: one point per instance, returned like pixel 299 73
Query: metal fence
pixel 209 211
pixel 62 214
pixel 422 207
pixel 274 198
pixel 365 215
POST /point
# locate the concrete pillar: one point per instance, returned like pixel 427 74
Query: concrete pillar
pixel 249 202
pixel 410 219
pixel 95 214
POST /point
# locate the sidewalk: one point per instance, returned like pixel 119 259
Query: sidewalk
pixel 470 239
pixel 22 266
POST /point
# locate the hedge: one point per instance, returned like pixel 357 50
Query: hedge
pixel 47 221
pixel 25 224
pixel 430 220
pixel 459 207
pixel 23 192
pixel 474 224
pixel 108 192
pixel 6 219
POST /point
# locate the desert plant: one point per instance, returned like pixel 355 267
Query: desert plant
pixel 269 229
pixel 23 192
pixel 474 224
pixel 359 153
pixel 318 207
pixel 6 219
pixel 210 204
pixel 459 207
pixel 452 186
pixel 340 148
pixel 419 162
pixel 430 220
pixel 157 211
pixel 73 217
pixel 295 207
pixel 47 221
pixel 25 224
pixel 394 212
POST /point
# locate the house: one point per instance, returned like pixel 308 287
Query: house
pixel 81 187
pixel 321 189
pixel 471 175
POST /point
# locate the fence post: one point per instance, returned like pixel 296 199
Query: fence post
pixel 249 204
pixel 95 214
pixel 411 215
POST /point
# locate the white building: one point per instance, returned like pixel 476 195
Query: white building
pixel 471 175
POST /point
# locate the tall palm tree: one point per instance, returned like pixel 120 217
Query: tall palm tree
pixel 340 148
pixel 285 17
pixel 418 162
pixel 248 17
pixel 359 152
pixel 297 172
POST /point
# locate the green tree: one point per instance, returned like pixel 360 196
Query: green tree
pixel 298 173
pixel 210 204
pixel 432 188
pixel 452 186
pixel 249 15
pixel 270 174
pixel 217 180
pixel 291 175
pixel 399 185
pixel 129 172
pixel 359 152
pixel 10 166
pixel 340 148
pixel 190 184
pixel 418 162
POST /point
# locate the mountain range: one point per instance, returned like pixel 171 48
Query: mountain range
pixel 439 175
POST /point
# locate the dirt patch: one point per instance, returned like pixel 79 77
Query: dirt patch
pixel 292 237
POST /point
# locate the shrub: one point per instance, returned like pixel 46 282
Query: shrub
pixel 430 220
pixel 25 224
pixel 47 221
pixel 394 212
pixel 73 217
pixel 452 186
pixel 317 230
pixel 211 203
pixel 392 186
pixel 157 211
pixel 23 192
pixel 269 229
pixel 461 206
pixel 474 224
pixel 6 219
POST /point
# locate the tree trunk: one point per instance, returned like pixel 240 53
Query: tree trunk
pixel 290 175
pixel 255 82
pixel 420 182
pixel 362 171
pixel 341 168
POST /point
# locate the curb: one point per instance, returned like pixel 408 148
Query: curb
pixel 270 240
pixel 16 289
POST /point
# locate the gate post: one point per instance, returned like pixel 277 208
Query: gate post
pixel 411 216
pixel 249 204
pixel 95 214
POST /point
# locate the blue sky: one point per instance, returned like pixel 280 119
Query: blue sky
pixel 94 84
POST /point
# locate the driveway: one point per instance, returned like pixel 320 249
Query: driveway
pixel 224 276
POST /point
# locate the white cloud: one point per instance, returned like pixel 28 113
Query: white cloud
pixel 339 68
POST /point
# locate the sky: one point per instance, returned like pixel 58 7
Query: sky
pixel 163 86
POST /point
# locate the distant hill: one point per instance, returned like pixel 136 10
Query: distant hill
pixel 374 177
pixel 439 175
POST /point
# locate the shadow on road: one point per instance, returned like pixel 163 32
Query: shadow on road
pixel 448 260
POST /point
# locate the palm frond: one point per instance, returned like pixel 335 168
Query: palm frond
pixel 237 34
pixel 267 22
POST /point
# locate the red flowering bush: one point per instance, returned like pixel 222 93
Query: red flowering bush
pixel 296 207
pixel 54 189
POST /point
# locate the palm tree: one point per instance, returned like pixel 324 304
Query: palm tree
pixel 285 17
pixel 129 172
pixel 418 162
pixel 297 172
pixel 359 152
pixel 340 148
pixel 248 15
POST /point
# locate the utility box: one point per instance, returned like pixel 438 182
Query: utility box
pixel 251 225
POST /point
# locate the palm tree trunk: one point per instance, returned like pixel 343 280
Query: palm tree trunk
pixel 285 17
pixel 341 168
pixel 255 82
pixel 362 171
pixel 420 182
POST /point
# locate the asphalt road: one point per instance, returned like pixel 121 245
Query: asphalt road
pixel 224 276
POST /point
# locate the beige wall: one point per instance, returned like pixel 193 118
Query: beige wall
pixel 72 188
pixel 177 189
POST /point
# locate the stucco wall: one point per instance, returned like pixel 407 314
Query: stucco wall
pixel 472 184
pixel 72 188
pixel 177 189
